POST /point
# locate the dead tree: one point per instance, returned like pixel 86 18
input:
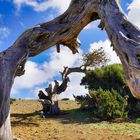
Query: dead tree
pixel 124 37
pixel 50 102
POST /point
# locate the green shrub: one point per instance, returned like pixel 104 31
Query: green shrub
pixel 104 104
pixel 112 77
pixel 86 102
pixel 109 77
pixel 138 120
pixel 109 105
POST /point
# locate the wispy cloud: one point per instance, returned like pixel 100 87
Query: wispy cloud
pixel 4 32
pixel 22 24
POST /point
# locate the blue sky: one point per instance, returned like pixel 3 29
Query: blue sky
pixel 18 15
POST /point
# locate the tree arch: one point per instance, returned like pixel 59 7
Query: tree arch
pixel 124 37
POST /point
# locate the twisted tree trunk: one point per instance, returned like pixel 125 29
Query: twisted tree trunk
pixel 125 38
pixel 50 101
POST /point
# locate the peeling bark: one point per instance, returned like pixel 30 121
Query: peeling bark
pixel 124 36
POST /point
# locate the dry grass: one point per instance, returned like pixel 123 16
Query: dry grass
pixel 73 125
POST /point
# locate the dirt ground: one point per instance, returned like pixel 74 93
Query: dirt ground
pixel 73 125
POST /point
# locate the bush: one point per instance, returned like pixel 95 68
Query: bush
pixel 109 77
pixel 104 104
pixel 109 105
pixel 65 99
pixel 112 77
pixel 86 102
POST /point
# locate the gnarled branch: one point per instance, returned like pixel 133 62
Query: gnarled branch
pixel 124 36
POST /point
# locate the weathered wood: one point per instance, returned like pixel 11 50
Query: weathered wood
pixel 124 36
pixel 125 39
pixel 50 102
pixel 5 131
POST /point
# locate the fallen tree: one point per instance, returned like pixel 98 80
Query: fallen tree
pixel 124 37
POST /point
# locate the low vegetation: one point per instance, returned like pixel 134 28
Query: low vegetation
pixel 109 96
pixel 12 100
pixel 103 104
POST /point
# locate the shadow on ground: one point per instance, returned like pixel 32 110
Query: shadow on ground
pixel 71 116
pixel 74 116
pixel 24 119
pixel 86 117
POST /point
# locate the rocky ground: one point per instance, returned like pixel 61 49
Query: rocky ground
pixel 71 125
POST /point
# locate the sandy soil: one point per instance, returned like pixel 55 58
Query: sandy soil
pixel 28 125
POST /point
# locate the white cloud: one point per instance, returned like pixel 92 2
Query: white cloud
pixel 34 75
pixel 38 74
pixel 108 50
pixel 134 12
pixel 4 32
pixel 92 25
pixel 42 6
pixel 33 93
pixel 64 58
pixel 74 87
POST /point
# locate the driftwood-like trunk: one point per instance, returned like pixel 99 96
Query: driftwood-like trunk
pixel 124 36
pixel 50 102
pixel 5 131
pixel 49 108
